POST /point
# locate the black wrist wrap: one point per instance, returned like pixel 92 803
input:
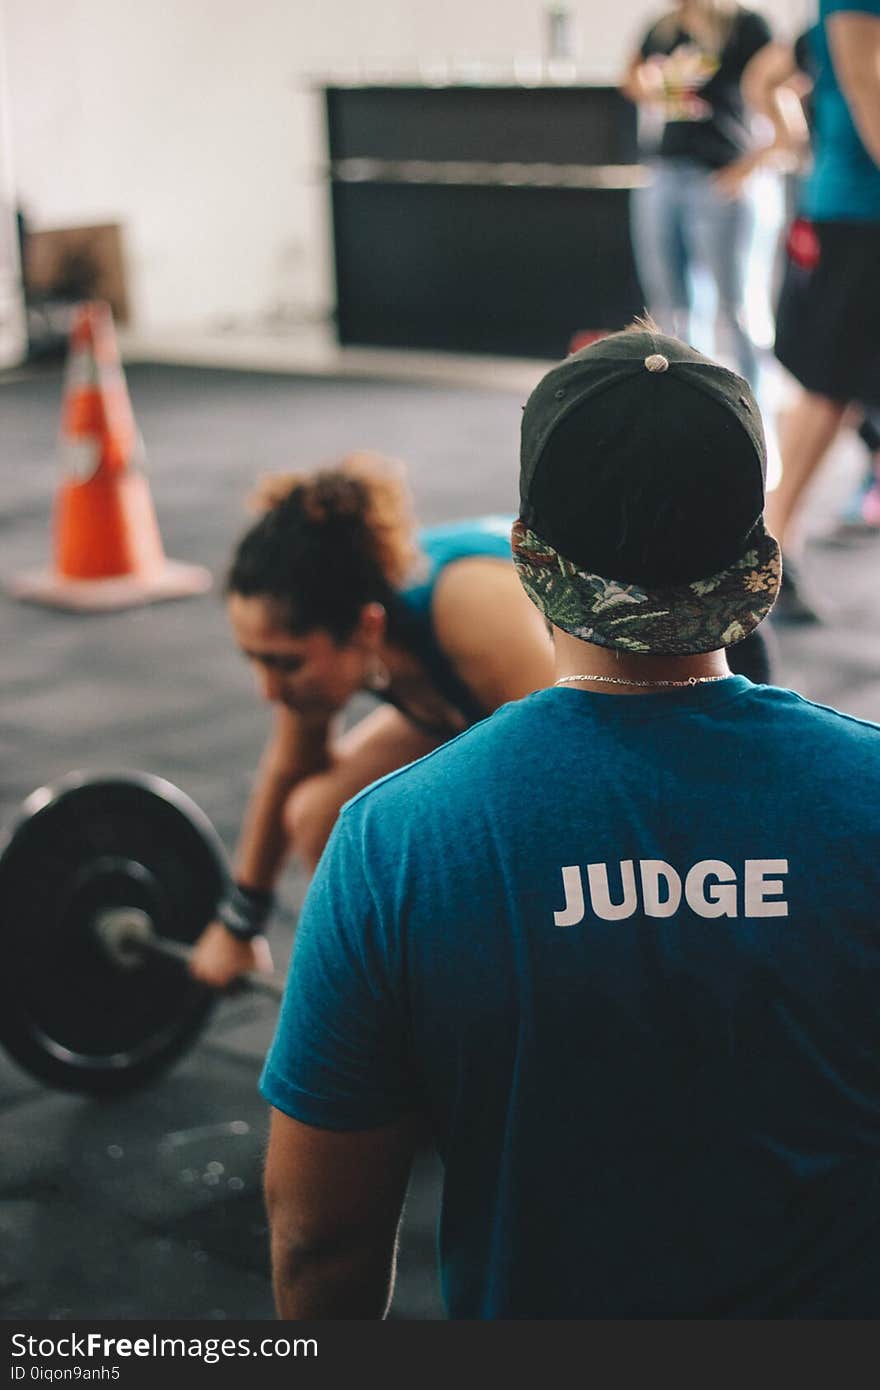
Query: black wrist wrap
pixel 245 911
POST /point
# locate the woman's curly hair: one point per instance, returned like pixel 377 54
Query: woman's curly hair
pixel 328 542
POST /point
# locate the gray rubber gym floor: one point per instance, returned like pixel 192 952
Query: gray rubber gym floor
pixel 149 1205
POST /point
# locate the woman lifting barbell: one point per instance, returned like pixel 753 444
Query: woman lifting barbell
pixel 332 592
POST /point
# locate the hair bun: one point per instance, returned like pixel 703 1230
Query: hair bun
pixel 274 488
pixel 365 492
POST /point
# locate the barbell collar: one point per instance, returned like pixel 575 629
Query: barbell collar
pixel 128 935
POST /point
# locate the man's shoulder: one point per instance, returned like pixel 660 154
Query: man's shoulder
pixel 809 724
pixel 805 707
pixel 829 714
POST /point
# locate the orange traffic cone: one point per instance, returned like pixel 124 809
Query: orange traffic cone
pixel 107 547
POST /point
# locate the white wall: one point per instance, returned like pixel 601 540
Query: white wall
pixel 12 319
pixel 194 123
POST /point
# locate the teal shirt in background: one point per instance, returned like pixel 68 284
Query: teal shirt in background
pixel 845 182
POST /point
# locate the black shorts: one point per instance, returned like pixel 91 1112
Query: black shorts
pixel 828 316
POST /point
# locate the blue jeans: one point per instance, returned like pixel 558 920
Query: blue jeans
pixel 681 224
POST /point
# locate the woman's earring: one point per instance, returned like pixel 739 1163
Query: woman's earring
pixel 376 675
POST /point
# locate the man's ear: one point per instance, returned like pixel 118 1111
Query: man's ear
pixel 372 624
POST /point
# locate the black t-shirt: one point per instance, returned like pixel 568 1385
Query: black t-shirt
pixel 704 117
pixel 805 55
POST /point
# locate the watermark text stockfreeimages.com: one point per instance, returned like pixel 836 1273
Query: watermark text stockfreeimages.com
pixel 28 1352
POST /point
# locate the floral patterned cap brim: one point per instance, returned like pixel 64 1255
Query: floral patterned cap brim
pixel 678 620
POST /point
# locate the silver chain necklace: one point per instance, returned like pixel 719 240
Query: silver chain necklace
pixel 618 680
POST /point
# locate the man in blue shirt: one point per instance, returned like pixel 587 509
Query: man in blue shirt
pixel 616 949
pixel 829 308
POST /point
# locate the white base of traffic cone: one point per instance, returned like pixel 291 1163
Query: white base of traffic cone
pixel 172 580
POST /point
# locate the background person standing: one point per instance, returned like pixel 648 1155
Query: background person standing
pixel 694 214
pixel 829 306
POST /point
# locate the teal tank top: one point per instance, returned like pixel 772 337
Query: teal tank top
pixel 487 536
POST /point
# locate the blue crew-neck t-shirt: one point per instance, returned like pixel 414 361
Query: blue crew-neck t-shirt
pixel 623 951
pixel 844 184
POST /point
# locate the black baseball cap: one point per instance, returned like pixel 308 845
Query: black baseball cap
pixel 642 479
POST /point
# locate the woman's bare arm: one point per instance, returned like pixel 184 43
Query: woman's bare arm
pixel 766 86
pixel 491 631
pixel 296 749
pixel 772 84
pixel 641 81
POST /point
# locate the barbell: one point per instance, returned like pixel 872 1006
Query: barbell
pixel 106 880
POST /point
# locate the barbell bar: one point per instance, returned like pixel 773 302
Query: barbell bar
pixel 127 934
pixel 106 882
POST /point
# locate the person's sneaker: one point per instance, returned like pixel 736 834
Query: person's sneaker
pixel 793 605
pixel 861 515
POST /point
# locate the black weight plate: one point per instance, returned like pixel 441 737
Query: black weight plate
pixel 68 1013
